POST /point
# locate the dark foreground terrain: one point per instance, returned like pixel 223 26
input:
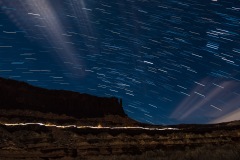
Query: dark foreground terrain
pixel 205 142
pixel 37 123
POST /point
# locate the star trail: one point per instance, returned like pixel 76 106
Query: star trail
pixel 170 61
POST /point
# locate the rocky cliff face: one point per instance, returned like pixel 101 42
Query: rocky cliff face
pixel 20 95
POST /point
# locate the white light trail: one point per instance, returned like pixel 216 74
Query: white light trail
pixel 216 107
pixel 147 62
pixel 199 84
pixel 9 32
pixel 34 14
pixel 84 127
pixel 218 85
pixel 199 94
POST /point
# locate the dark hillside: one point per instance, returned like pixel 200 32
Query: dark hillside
pixel 20 95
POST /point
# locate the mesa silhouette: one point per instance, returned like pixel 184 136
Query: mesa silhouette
pixel 20 95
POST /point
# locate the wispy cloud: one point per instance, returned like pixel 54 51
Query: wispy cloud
pixel 210 100
pixel 40 20
pixel 234 115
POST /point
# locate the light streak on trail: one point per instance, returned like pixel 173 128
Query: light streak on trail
pixel 84 127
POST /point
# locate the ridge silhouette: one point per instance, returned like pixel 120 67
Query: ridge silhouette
pixel 20 95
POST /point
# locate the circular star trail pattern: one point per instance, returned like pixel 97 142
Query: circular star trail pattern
pixel 170 61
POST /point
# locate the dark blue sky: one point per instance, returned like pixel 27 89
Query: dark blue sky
pixel 174 61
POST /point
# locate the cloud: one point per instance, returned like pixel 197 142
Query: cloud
pixel 234 115
pixel 41 20
pixel 210 101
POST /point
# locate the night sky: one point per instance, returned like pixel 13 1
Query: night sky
pixel 171 61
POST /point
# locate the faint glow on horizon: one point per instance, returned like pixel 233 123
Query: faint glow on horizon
pixel 220 97
pixel 234 115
